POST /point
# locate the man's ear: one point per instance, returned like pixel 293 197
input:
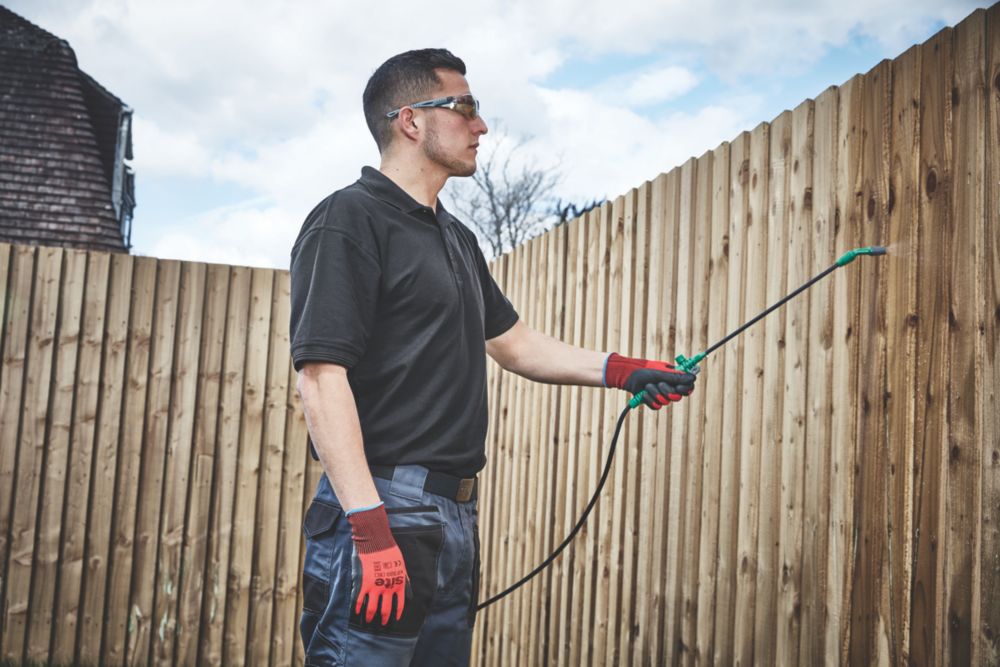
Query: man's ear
pixel 407 121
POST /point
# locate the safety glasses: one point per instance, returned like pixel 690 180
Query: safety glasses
pixel 467 105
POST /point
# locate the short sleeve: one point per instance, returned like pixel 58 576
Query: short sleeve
pixel 334 295
pixel 499 315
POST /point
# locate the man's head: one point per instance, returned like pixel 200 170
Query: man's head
pixel 404 79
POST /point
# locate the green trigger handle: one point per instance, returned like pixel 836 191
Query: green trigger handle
pixel 683 363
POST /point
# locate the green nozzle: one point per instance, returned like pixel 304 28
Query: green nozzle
pixel 690 365
pixel 849 256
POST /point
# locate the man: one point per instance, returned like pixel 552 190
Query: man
pixel 393 313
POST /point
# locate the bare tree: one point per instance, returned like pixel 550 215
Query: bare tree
pixel 570 211
pixel 509 198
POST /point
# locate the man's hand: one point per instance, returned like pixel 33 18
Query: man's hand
pixel 661 382
pixel 383 572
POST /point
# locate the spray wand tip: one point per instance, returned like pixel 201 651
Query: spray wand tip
pixel 878 250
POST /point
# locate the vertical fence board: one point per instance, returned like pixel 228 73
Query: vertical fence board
pixel 635 601
pixel 554 507
pixel 751 402
pixel 597 281
pixel 284 638
pixel 989 551
pixel 651 335
pixel 101 526
pixel 142 601
pixel 56 446
pixel 926 642
pixel 39 361
pixel 677 434
pixel 203 453
pixel 612 293
pixel 571 440
pixel 18 304
pixel 962 506
pixel 845 304
pixel 534 475
pixel 609 552
pixel 512 632
pixel 664 530
pixel 794 440
pixel 177 466
pixel 505 576
pixel 582 593
pixel 711 393
pixel 901 279
pixel 87 376
pixel 820 208
pixel 731 468
pixel 770 439
pixel 870 614
pixel 130 446
pixel 490 482
pixel 633 286
pixel 269 493
pixel 213 608
pixel 283 635
pixel 701 222
pixel 248 469
pixel 494 577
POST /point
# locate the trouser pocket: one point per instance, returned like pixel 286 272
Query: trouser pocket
pixel 419 533
pixel 320 530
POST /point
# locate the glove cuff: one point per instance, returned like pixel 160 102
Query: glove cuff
pixel 617 369
pixel 370 530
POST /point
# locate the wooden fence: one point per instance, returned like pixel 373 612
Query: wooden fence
pixel 153 469
pixel 830 493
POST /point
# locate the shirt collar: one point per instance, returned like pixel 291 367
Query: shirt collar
pixel 382 187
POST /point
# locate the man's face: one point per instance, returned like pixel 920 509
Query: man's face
pixel 451 139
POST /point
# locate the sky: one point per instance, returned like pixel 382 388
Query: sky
pixel 247 113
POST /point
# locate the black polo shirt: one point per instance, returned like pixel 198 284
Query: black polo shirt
pixel 401 296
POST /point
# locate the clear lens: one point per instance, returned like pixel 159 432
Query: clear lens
pixel 467 105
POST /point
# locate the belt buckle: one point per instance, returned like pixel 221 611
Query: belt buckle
pixel 465 488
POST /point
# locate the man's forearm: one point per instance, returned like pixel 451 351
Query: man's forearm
pixel 332 417
pixel 542 358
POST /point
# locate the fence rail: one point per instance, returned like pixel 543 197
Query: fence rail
pixel 830 493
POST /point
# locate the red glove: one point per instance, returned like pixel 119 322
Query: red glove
pixel 383 572
pixel 661 382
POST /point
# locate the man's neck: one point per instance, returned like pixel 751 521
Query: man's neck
pixel 416 179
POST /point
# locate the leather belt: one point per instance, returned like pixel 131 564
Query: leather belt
pixel 439 483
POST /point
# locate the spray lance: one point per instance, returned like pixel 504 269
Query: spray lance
pixel 689 365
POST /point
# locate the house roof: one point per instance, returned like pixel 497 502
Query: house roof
pixel 59 132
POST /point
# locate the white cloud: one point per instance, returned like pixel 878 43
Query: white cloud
pixel 159 152
pixel 249 234
pixel 613 149
pixel 659 85
pixel 265 95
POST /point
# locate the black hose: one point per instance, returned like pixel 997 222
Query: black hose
pixel 579 524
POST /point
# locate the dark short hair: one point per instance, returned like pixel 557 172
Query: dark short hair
pixel 403 79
